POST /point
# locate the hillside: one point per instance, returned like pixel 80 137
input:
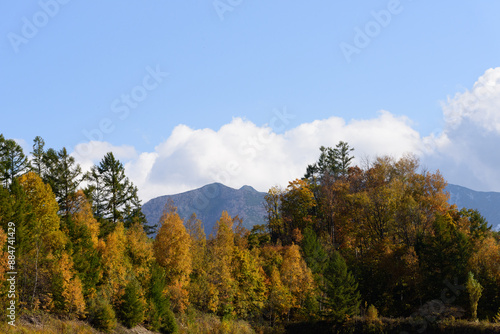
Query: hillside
pixel 209 201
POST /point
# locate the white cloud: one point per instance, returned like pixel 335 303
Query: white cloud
pixel 478 105
pixel 242 153
pixel 467 149
pixel 90 153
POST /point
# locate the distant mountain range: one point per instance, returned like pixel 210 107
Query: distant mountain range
pixel 487 203
pixel 209 201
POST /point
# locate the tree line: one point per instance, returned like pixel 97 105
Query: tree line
pixel 338 242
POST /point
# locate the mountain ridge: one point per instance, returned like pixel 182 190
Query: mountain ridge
pixel 209 201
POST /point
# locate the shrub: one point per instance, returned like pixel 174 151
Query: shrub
pixel 101 315
pixel 372 313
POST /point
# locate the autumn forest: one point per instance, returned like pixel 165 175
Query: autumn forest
pixel 347 248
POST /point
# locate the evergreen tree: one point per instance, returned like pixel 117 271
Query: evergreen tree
pixel 64 176
pixel 113 195
pixel 314 253
pixel 37 164
pixel 13 162
pixel 332 162
pixel 101 314
pixel 162 317
pixel 341 290
pixel 132 308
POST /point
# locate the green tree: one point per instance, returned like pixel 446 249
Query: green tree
pixel 475 290
pixel 161 316
pixel 131 311
pixel 13 162
pixel 101 314
pixel 313 251
pixel 64 177
pixel 37 164
pixel 341 290
pixel 332 162
pixel 114 197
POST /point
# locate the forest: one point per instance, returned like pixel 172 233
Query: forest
pixel 347 248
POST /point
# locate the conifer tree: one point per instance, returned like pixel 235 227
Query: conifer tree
pixel 161 316
pixel 64 178
pixel 341 295
pixel 113 195
pixel 131 311
pixel 37 164
pixel 13 162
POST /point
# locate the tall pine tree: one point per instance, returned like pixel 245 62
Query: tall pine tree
pixel 341 290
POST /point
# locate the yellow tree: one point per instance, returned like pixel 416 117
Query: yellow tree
pixel 296 276
pixel 296 204
pixel 171 250
pixel 250 280
pixel 70 289
pixel 279 297
pixel 41 244
pixel 198 285
pixel 81 215
pixel 140 253
pixel 272 205
pixel 115 263
pixel 83 230
pixel 221 256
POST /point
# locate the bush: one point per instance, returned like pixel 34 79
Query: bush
pixel 371 313
pixel 101 315
pixel 131 310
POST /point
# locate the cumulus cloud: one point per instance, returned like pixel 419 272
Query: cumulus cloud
pixel 243 153
pixel 89 154
pixel 467 149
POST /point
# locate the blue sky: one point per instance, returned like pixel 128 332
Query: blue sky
pixel 75 71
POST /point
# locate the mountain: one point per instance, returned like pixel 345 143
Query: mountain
pixel 487 203
pixel 208 202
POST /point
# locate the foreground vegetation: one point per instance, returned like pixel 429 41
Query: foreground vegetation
pixel 345 249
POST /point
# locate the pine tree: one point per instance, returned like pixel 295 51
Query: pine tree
pixel 101 314
pixel 13 162
pixel 314 253
pixel 161 318
pixel 131 311
pixel 64 177
pixel 113 195
pixel 118 189
pixel 341 295
pixel 37 164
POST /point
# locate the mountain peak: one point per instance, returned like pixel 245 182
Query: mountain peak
pixel 248 188
pixel 208 202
